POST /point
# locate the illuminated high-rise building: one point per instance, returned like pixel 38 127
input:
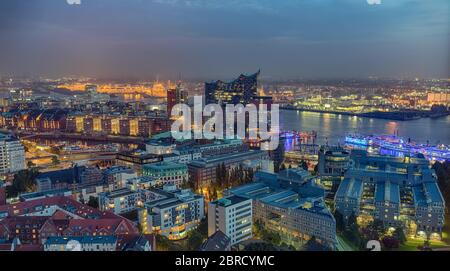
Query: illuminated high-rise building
pixel 12 154
pixel 241 90
pixel 175 96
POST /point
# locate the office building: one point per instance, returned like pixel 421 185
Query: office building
pixel 167 173
pixel 429 206
pixel 241 90
pixel 333 161
pixel 295 217
pixel 43 184
pixel 232 216
pixel 118 175
pixel 175 96
pixel 348 197
pixel 387 203
pixel 399 191
pixel 136 160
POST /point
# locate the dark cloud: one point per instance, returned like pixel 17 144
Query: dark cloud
pixel 216 38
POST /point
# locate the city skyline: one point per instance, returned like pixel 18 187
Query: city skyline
pixel 194 126
pixel 211 39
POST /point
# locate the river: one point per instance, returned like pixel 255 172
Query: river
pixel 332 128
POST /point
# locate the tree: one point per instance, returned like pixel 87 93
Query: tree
pixel 314 245
pixel 373 230
pixel 257 229
pixel 271 237
pixel 443 174
pixel 195 240
pixel 222 175
pixel 214 193
pixel 24 181
pixel 390 242
pixel 162 243
pixel 55 160
pixel 249 174
pixel 304 165
pixel 400 235
pixel 81 198
pixel 352 230
pixel 30 164
pixel 260 246
pixel 316 169
pixel 340 223
pixel 378 226
pixel 276 167
pixel 203 227
pixel 93 202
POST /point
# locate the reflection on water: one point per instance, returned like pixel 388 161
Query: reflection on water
pixel 333 128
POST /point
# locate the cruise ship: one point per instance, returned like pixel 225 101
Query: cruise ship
pixel 395 145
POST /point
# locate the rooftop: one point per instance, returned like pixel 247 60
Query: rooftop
pixel 164 166
pixel 272 194
pixel 427 193
pixel 122 192
pixel 66 203
pixel 117 169
pixel 350 188
pixel 387 192
pixel 54 192
pixel 229 201
pixel 171 197
pixel 216 242
pixel 226 157
pixel 53 240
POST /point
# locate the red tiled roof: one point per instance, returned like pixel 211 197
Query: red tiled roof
pixel 67 203
pixel 92 220
pixel 12 223
pixel 60 215
pixel 5 247
pixel 109 226
pixel 29 248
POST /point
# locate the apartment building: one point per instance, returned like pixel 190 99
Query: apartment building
pixel 232 216
pixel 171 212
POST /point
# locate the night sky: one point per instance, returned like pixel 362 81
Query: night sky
pixel 219 39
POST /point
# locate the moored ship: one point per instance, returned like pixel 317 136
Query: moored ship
pixel 399 146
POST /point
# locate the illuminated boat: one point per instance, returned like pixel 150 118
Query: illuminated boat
pixel 395 145
pixel 358 140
